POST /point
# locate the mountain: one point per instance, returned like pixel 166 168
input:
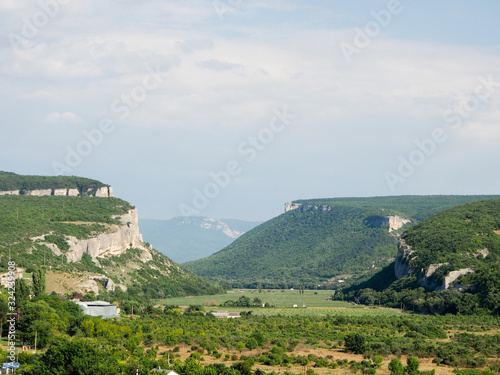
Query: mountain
pixel 447 264
pixel 85 242
pixel 325 241
pixel 189 238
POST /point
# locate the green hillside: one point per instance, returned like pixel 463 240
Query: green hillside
pixel 466 237
pixel 55 218
pixel 311 246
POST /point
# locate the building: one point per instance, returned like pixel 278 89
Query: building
pixel 99 308
pixel 169 372
pixel 226 314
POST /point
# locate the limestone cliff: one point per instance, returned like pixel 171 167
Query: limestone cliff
pixel 403 268
pixel 306 207
pixel 116 240
pixel 103 192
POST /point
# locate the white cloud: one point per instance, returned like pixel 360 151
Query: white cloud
pixel 66 117
pixel 223 79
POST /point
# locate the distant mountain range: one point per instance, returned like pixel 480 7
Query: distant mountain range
pixel 184 239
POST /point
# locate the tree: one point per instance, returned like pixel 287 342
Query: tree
pixel 355 342
pixel 22 292
pixel 396 367
pixel 39 283
pixel 378 359
pixel 412 365
pixel 240 346
pixel 251 343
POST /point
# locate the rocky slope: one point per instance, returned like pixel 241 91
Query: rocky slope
pixel 450 245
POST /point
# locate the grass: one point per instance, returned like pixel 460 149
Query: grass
pixel 282 302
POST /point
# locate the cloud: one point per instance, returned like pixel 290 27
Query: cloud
pixel 66 117
pixel 218 65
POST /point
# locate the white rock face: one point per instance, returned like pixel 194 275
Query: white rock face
pixel 307 207
pixel 289 206
pixel 9 192
pixel 102 192
pixel 39 193
pixel 402 268
pixel 402 264
pixel 453 275
pixel 220 226
pixel 73 192
pixel 397 222
pixel 116 242
pixel 59 192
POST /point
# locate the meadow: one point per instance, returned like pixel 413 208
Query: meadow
pixel 282 302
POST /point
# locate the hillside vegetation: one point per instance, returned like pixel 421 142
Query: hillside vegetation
pixel 464 237
pixel 307 246
pixel 12 181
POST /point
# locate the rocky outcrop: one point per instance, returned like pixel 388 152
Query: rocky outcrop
pixel 220 226
pixel 454 275
pixel 59 192
pixel 9 192
pixel 38 193
pixel 425 281
pixel 116 240
pixel 402 268
pixel 402 264
pixel 307 207
pixel 103 192
pixel 108 283
pixel 394 222
pixel 289 206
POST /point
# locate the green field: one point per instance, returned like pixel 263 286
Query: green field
pixel 282 302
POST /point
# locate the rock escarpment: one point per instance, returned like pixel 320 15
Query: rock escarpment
pixel 116 240
pixel 102 192
pixel 402 267
pixel 290 206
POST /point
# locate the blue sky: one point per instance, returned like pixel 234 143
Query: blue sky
pixel 231 108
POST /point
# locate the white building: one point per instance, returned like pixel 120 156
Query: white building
pixel 99 308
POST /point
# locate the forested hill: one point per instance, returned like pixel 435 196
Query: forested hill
pixel 448 263
pixel 322 241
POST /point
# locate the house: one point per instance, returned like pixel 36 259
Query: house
pixel 226 314
pixel 99 308
pixel 77 297
pixel 164 371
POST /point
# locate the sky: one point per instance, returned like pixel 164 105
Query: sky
pixel 230 108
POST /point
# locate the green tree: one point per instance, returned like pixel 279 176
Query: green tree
pixel 22 292
pixel 240 346
pixel 396 367
pixel 39 283
pixel 378 359
pixel 412 365
pixel 356 343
